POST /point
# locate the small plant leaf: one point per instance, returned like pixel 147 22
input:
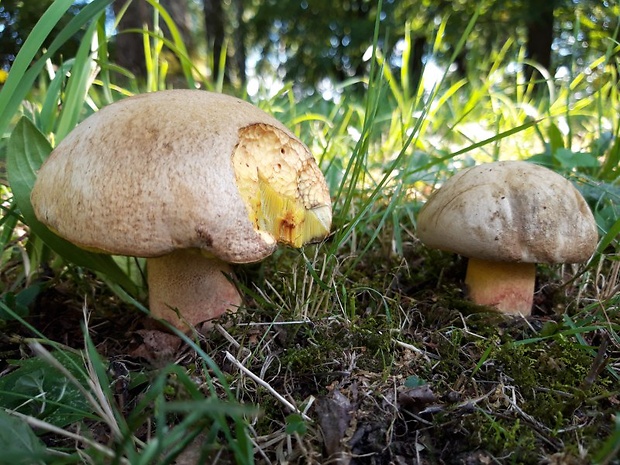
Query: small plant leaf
pixel 38 389
pixel 27 150
pixel 414 382
pixel 556 140
pixel 18 443
pixel 296 424
pixel 569 159
pixel 19 302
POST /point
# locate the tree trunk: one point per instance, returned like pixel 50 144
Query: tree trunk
pixel 129 50
pixel 239 42
pixel 539 36
pixel 416 65
pixel 179 12
pixel 214 24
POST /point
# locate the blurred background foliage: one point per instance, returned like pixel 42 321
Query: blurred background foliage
pixel 313 42
pixel 18 18
pixel 409 87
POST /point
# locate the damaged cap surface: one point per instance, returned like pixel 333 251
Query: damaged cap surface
pixel 183 169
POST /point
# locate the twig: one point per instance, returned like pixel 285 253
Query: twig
pixel 274 323
pixel 220 329
pixel 230 357
pixel 415 349
pixel 600 361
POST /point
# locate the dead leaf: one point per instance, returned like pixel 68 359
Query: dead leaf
pixel 157 347
pixel 417 398
pixel 334 411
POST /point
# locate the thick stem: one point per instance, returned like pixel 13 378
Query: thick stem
pixel 509 287
pixel 191 283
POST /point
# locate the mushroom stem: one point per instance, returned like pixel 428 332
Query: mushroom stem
pixel 509 287
pixel 195 285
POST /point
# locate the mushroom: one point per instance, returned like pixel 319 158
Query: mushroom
pixel 192 180
pixel 506 217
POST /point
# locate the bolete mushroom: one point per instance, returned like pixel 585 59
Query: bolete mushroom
pixel 506 217
pixel 191 180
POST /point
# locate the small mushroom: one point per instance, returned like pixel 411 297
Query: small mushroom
pixel 507 216
pixel 191 180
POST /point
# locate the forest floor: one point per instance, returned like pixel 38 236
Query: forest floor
pixel 408 373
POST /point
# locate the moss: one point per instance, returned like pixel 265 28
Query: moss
pixel 308 359
pixel 458 438
pixel 506 437
pixel 528 382
pixel 320 345
pixel 548 376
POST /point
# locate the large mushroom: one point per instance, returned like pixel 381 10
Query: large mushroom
pixel 506 217
pixel 191 180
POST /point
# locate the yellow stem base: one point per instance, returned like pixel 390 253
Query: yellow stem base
pixel 187 289
pixel 509 287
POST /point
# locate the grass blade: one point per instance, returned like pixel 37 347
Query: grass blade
pixel 23 72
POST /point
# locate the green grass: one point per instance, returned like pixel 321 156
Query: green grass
pixel 367 337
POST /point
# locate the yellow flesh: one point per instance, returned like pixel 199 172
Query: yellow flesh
pixel 281 186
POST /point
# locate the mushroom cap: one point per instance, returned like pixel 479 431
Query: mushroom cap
pixel 510 211
pixel 183 169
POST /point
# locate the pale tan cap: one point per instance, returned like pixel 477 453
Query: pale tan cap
pixel 183 169
pixel 509 211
